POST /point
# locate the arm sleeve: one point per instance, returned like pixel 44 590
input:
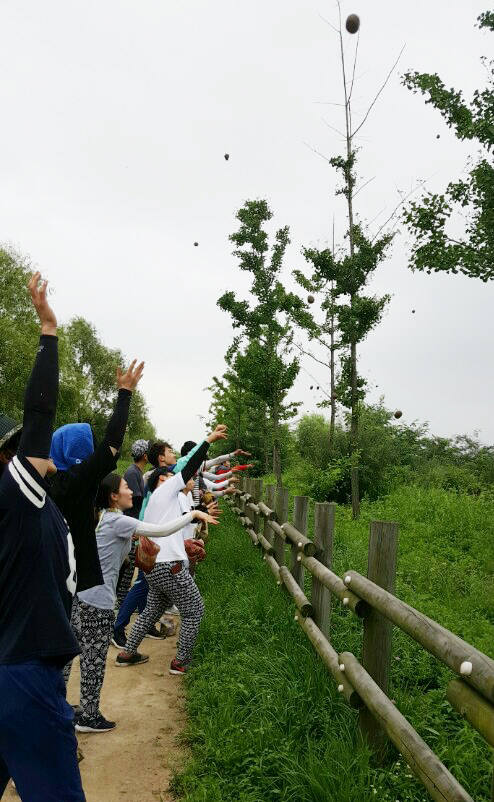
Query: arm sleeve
pixel 213 477
pixel 216 485
pixel 40 401
pixel 218 493
pixel 182 462
pixel 218 460
pixel 117 424
pixel 165 529
pixel 195 462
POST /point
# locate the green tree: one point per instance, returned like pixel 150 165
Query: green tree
pixel 264 365
pixel 87 366
pixel 467 204
pixel 342 277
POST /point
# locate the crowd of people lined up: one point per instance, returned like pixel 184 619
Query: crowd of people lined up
pixel 72 533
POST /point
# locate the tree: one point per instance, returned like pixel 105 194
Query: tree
pixel 343 276
pixel 87 366
pixel 264 366
pixel 467 203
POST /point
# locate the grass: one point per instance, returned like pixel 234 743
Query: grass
pixel 264 719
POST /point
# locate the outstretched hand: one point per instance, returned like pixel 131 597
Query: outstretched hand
pixel 240 451
pixel 131 378
pixel 220 433
pixel 38 291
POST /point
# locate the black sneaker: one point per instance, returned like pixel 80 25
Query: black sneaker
pixel 119 639
pixel 155 634
pixel 98 724
pixel 124 659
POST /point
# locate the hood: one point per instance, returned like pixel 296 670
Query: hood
pixel 71 444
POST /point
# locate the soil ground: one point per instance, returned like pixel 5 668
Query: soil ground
pixel 136 760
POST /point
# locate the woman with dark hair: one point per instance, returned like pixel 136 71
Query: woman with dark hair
pixel 92 613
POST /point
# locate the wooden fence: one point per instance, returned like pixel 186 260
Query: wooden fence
pixel 365 684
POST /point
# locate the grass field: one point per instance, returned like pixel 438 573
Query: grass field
pixel 265 720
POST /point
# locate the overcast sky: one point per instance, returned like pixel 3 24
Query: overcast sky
pixel 115 118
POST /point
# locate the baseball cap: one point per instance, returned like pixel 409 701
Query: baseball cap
pixel 139 448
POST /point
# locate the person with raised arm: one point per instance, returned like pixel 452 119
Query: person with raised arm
pixel 92 613
pixel 170 580
pixel 38 748
pixel 80 470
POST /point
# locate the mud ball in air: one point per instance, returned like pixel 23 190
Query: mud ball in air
pixel 352 23
pixel 311 387
pixel 310 299
pixel 413 311
pixel 196 244
pixel 398 413
pixel 227 156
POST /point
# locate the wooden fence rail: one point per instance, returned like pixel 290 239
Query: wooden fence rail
pixel 365 684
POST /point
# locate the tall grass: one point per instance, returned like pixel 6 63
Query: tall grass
pixel 264 719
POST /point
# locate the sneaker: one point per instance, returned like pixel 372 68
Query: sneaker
pixel 119 639
pixel 124 659
pixel 98 724
pixel 155 634
pixel 173 610
pixel 176 667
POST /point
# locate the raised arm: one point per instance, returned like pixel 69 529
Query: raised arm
pixel 165 529
pixel 127 382
pixel 197 458
pixel 169 528
pixel 182 462
pixel 40 399
pixel 214 477
pixel 218 460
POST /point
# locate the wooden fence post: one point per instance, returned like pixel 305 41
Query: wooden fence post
pixel 376 653
pixel 323 539
pixel 300 511
pixel 270 502
pixel 282 515
pixel 257 494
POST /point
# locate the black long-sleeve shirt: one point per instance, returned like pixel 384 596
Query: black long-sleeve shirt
pixel 37 567
pixel 74 491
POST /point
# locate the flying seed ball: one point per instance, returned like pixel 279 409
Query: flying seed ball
pixel 438 136
pixel 352 23
pixel 398 413
pixel 311 387
pixel 413 311
pixel 227 156
pixel 196 244
pixel 310 299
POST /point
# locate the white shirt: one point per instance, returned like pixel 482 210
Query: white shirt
pixel 186 500
pixel 165 505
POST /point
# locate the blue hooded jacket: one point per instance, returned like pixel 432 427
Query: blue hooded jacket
pixel 71 444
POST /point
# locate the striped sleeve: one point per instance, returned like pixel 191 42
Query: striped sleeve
pixel 26 483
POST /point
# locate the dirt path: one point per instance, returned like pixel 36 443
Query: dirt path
pixel 135 761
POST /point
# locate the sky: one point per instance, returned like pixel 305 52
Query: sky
pixel 116 116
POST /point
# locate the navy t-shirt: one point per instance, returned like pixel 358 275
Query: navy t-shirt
pixel 37 571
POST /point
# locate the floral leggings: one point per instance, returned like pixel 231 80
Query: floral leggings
pixel 93 628
pixel 165 588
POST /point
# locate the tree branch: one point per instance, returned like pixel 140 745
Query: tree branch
pixel 381 90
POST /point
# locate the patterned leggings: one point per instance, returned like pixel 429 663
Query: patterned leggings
pixel 93 628
pixel 166 588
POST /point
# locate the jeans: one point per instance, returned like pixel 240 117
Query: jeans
pixel 38 747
